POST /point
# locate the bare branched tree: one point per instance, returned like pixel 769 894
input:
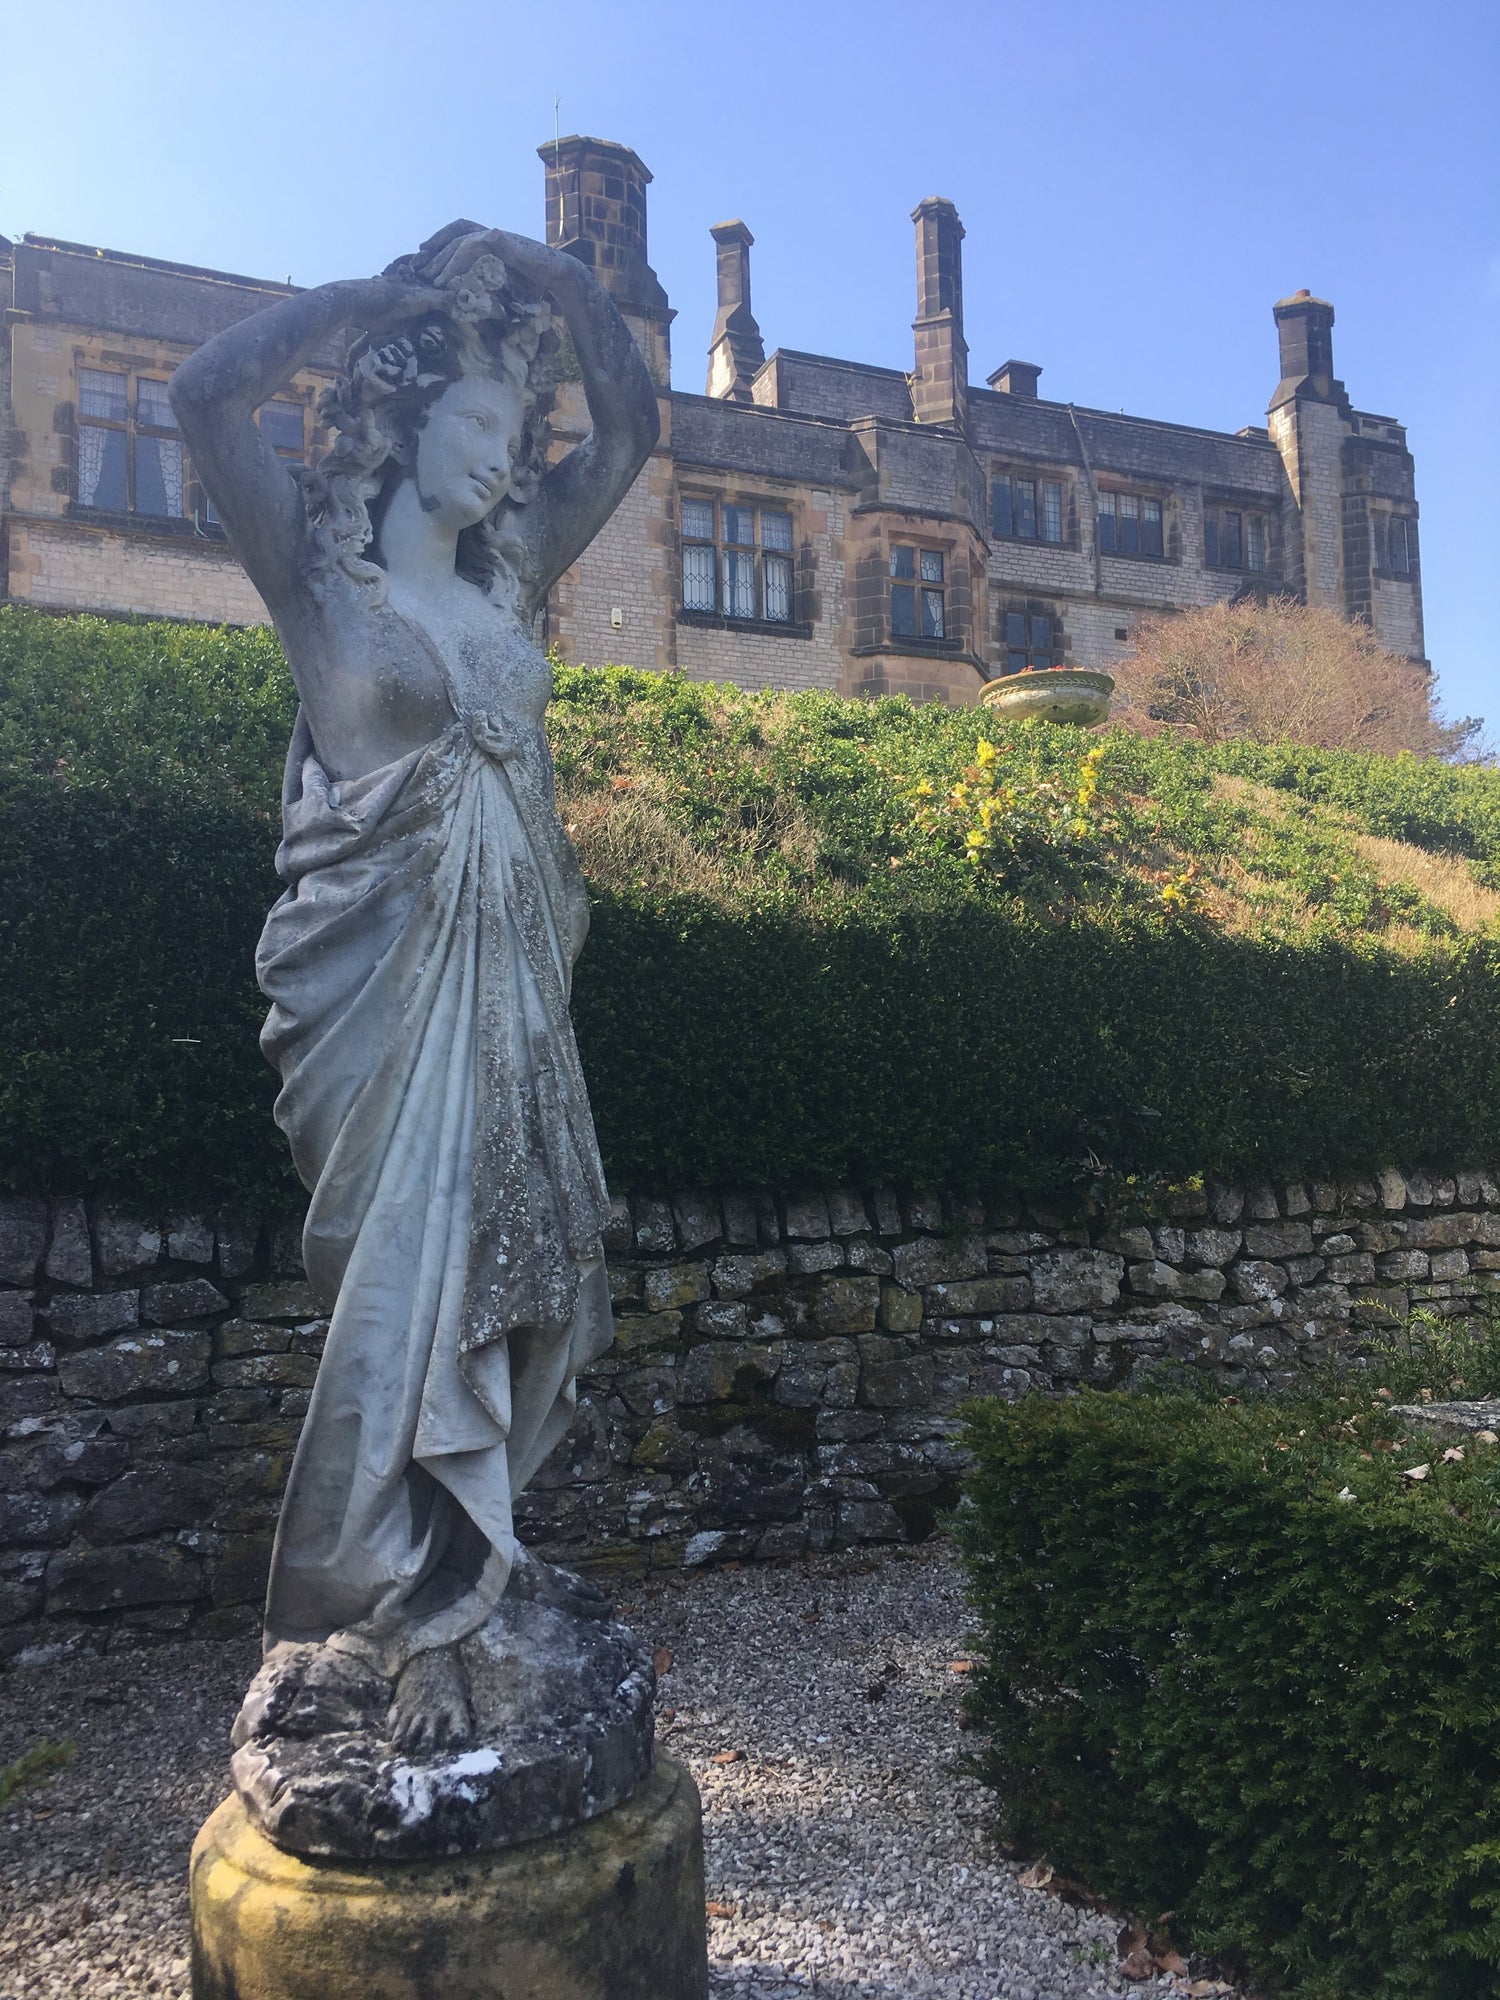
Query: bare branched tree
pixel 1283 672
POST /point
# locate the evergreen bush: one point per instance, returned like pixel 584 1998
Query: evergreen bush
pixel 1237 1662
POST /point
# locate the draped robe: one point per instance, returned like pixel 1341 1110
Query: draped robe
pixel 418 968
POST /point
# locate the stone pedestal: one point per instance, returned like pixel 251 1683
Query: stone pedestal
pixel 609 1910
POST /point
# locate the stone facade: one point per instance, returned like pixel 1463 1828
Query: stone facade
pixel 786 1374
pixel 78 320
pixel 1049 529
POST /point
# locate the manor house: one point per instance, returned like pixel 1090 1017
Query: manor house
pixel 805 522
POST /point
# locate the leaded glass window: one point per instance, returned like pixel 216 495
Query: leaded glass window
pixel 1234 539
pixel 918 607
pixel 158 476
pixel 1029 641
pixel 1128 520
pixel 698 578
pixel 1027 510
pixel 737 560
pixel 151 406
pixel 281 427
pixel 1052 496
pixel 1131 524
pixel 130 457
pixel 103 393
pixel 739 581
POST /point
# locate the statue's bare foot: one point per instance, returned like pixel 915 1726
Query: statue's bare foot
pixel 538 1582
pixel 431 1709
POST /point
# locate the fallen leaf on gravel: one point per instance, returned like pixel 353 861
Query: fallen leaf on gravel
pixel 1206 1989
pixel 661 1659
pixel 1170 1961
pixel 960 1666
pixel 1038 1875
pixel 728 1757
pixel 722 1910
pixel 1415 1471
pixel 1137 1964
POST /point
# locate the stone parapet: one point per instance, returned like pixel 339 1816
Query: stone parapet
pixel 786 1377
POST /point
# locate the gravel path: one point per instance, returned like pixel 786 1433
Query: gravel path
pixel 846 1855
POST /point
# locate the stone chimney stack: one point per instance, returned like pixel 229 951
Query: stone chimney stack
pixel 1016 378
pixel 596 210
pixel 1305 328
pixel 1309 421
pixel 736 350
pixel 939 390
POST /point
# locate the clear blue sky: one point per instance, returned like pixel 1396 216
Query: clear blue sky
pixel 1139 181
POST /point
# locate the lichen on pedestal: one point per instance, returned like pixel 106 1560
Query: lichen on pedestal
pixel 609 1910
pixel 562 1733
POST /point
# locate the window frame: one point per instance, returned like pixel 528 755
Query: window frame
pixel 926 584
pixel 1015 658
pixel 134 429
pixel 194 513
pixel 1006 487
pixel 1253 529
pixel 1386 529
pixel 725 558
pixel 1141 504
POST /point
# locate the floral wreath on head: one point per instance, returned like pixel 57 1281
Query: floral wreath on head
pixel 381 398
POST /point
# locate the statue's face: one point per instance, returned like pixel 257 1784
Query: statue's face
pixel 463 453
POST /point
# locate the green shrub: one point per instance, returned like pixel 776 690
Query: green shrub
pixel 795 971
pixel 129 1013
pixel 1233 1662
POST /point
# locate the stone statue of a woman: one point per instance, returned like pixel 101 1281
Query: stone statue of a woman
pixel 418 965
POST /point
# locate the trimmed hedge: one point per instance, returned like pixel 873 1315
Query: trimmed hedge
pixel 868 1007
pixel 1211 1684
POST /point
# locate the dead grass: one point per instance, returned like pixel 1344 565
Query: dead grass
pixel 1444 879
pixel 631 843
pixel 1246 792
pixel 627 838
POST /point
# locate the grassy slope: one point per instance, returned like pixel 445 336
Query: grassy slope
pixel 677 787
pixel 1168 957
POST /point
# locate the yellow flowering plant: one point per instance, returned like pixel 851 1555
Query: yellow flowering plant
pixel 1012 820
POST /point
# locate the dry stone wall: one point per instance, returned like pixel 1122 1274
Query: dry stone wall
pixel 787 1372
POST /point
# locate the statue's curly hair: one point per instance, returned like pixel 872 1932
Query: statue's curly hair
pixel 381 400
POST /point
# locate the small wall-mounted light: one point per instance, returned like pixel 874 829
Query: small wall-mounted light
pixel 617 619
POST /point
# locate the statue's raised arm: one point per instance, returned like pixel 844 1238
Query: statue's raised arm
pixel 215 394
pixel 466 288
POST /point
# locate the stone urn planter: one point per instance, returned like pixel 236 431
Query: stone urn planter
pixel 1052 694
